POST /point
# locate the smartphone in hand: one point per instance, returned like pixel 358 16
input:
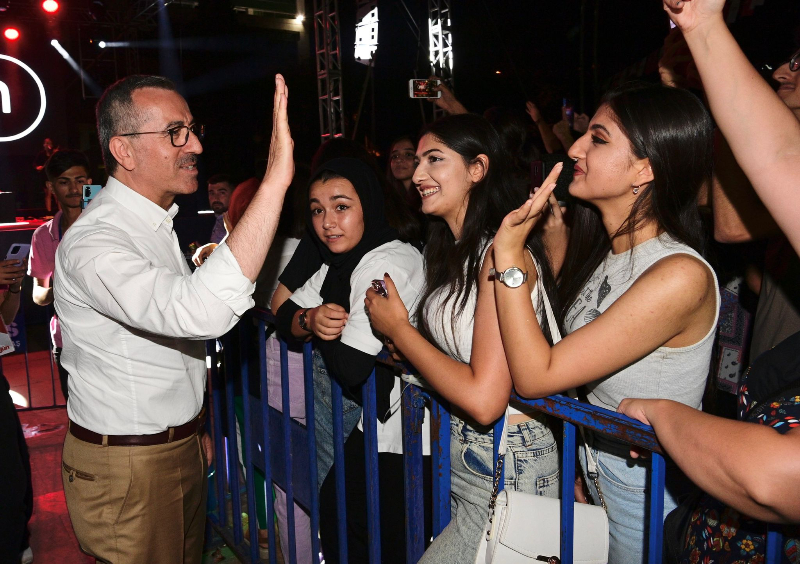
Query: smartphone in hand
pixel 18 252
pixel 380 287
pixel 89 192
pixel 423 88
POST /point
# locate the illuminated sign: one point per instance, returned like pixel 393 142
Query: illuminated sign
pixel 8 107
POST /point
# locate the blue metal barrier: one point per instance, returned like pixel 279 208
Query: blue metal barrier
pixel 285 452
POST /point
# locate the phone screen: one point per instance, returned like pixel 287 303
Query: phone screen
pixel 422 88
pixel 89 192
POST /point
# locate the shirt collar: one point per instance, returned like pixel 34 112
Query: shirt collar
pixel 152 214
pixel 54 228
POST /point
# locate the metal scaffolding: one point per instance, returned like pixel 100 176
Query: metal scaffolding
pixel 440 44
pixel 327 45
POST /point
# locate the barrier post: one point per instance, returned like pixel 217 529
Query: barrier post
pixel 413 474
pixel 267 437
pixel 568 493
pixel 440 455
pixel 370 425
pixel 220 471
pixel 655 542
pixel 287 449
pixel 232 452
pixel 247 442
pixel 308 374
pixel 338 468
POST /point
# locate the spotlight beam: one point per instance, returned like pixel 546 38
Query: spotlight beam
pixel 96 90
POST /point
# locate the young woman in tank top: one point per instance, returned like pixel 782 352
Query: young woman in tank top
pixel 640 303
pixel 463 178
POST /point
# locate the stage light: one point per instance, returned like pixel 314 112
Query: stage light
pixel 366 32
pixel 4 5
pixel 50 6
pixel 11 33
pixel 101 44
pixel 497 72
pixel 300 18
pixel 59 48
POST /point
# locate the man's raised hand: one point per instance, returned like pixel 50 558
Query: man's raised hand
pixel 280 167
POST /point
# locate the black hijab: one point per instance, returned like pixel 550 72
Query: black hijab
pixel 377 232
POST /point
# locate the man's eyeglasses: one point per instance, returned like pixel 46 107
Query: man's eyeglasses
pixel 403 156
pixel 794 62
pixel 178 136
pixel 794 65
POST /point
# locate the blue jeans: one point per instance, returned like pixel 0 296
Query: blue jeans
pixel 531 465
pixel 624 483
pixel 323 417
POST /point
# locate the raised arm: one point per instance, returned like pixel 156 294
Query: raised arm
pixel 480 388
pixel 679 291
pixel 252 237
pixel 765 484
pixel 763 133
pixel 739 215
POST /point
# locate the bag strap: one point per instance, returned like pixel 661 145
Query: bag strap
pixel 555 334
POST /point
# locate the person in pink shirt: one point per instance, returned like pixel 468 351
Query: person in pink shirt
pixel 67 171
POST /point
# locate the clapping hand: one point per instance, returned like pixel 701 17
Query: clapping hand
pixel 518 224
pixel 555 234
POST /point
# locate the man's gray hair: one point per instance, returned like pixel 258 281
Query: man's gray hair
pixel 116 113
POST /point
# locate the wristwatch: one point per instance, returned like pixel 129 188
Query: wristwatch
pixel 512 277
pixel 301 320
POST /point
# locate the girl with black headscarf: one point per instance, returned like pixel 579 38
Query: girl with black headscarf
pixel 347 220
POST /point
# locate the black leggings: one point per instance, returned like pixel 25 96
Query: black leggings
pixel 392 506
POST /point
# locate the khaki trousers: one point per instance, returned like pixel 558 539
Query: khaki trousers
pixel 139 504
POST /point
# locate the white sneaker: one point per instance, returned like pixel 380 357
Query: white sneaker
pixel 27 556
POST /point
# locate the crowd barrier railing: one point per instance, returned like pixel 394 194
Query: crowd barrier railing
pixel 284 450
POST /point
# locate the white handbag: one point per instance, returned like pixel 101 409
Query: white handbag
pixel 526 528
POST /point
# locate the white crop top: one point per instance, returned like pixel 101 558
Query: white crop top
pixel 452 326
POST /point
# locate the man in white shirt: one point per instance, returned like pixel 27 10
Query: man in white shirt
pixel 134 318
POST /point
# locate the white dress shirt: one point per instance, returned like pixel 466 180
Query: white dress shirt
pixel 134 317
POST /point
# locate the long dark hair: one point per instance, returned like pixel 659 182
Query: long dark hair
pixel 671 128
pixel 455 265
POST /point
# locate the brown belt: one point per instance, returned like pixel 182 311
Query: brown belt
pixel 170 435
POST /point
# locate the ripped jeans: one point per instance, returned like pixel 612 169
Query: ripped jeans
pixel 531 465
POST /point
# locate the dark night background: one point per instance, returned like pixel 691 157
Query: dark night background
pixel 227 61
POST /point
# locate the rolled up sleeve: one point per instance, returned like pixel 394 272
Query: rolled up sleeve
pixel 111 275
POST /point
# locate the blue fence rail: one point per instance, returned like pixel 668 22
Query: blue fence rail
pixel 284 450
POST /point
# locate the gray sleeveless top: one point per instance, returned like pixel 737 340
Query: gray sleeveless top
pixel 666 373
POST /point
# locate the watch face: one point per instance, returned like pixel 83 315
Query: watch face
pixel 513 277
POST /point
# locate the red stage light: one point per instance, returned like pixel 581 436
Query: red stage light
pixel 11 33
pixel 50 6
